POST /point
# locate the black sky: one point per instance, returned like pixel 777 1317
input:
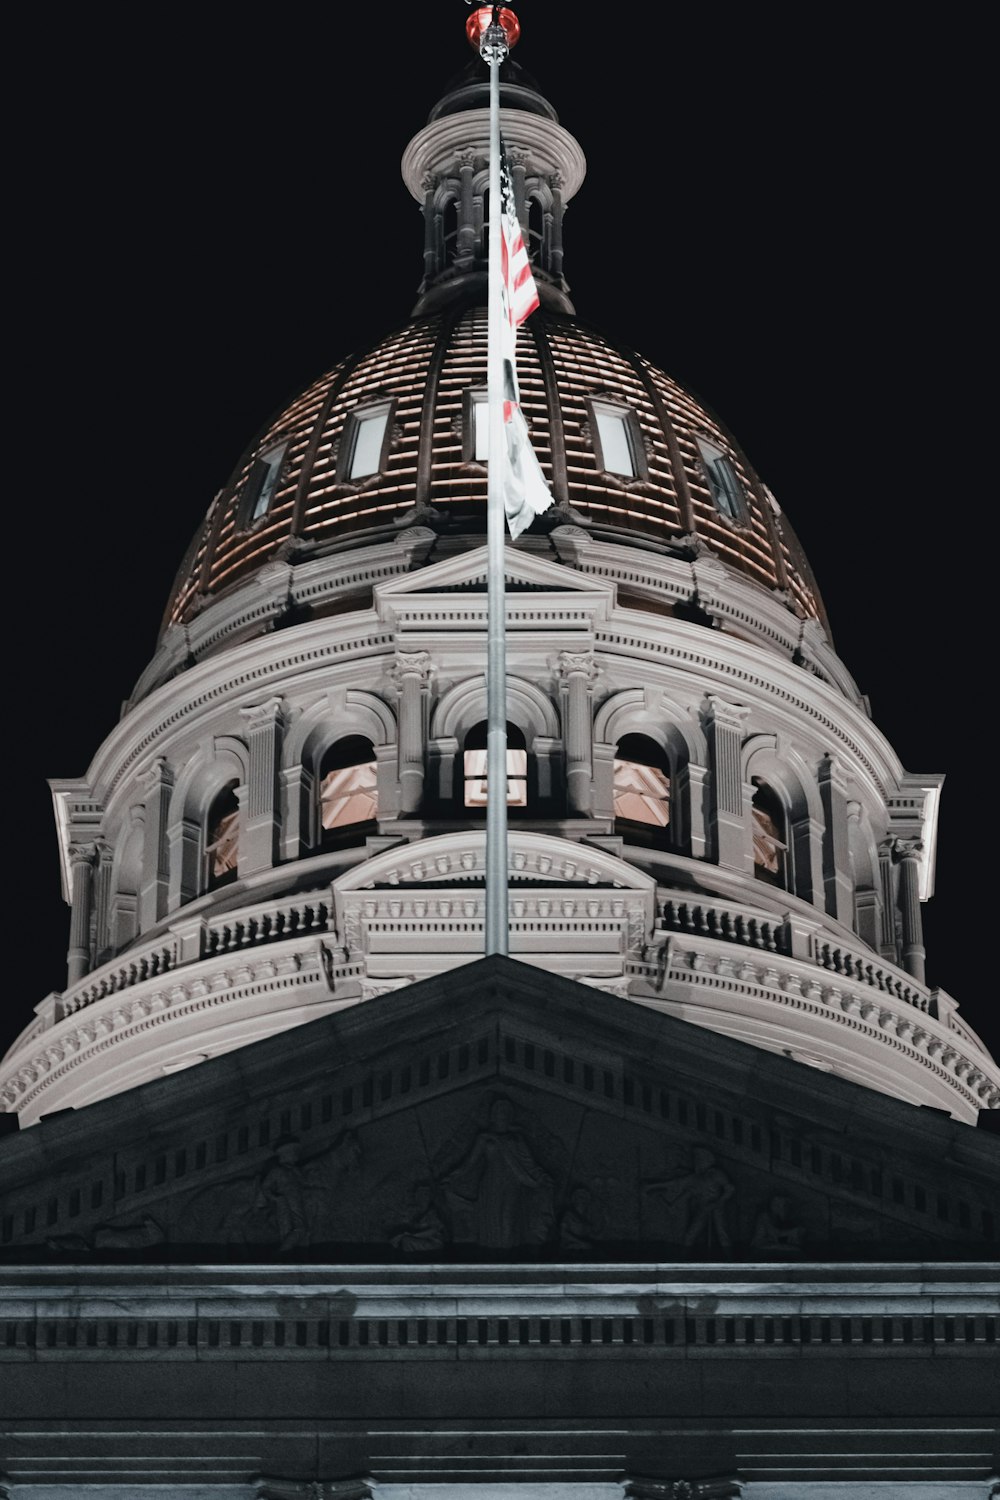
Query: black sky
pixel 780 210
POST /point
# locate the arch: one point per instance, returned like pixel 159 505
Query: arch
pixel 471 780
pixel 225 764
pixel 465 705
pixel 768 760
pixel 126 881
pixel 676 731
pixel 346 790
pixel 529 709
pixel 333 717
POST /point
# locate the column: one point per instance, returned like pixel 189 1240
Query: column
pixel 103 937
pixel 687 810
pixel 81 864
pixel 556 242
pixel 577 673
pixel 260 822
pixel 837 882
pixel 158 784
pixel 411 676
pixel 430 229
pixel 887 939
pixel 465 249
pixel 906 853
pixel 730 837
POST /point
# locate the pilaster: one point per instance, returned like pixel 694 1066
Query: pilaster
pixel 154 890
pixel 837 883
pixel 260 812
pixel 729 797
pixel 577 672
pixel 410 675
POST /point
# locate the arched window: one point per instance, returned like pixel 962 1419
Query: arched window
pixel 348 787
pixel 770 835
pixel 641 781
pixel 222 838
pixel 474 769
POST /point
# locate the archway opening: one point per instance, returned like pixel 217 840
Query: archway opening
pixel 642 786
pixel 222 838
pixel 348 790
pixel 770 835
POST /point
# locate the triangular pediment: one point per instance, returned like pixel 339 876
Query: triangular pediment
pixel 496 1111
pixel 458 585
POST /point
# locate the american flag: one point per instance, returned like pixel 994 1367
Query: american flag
pixel 522 294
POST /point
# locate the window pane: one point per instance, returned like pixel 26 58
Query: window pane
pixel 615 448
pixel 368 445
pixel 481 419
pixel 642 793
pixel 349 795
pixel 475 778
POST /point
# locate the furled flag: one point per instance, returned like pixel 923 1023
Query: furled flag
pixel 526 494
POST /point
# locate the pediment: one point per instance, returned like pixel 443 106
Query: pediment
pixel 419 908
pixel 536 587
pixel 497 1112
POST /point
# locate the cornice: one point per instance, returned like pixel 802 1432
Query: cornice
pixel 551 148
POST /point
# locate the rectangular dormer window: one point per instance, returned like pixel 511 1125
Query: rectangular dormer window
pixel 262 482
pixel 476 426
pixel 617 441
pixel 723 481
pixel 365 444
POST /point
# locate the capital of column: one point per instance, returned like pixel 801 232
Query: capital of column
pixel 411 664
pixel 264 715
pixel 82 854
pixel 157 774
pixel 725 715
pixel 902 849
pixel 577 664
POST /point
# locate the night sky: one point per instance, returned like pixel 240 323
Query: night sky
pixel 781 212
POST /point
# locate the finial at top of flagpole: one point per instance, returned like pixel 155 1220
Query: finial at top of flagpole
pixel 492 31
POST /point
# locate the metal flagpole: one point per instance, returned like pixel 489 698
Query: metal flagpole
pixel 493 48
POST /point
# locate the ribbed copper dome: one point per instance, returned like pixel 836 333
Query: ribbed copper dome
pixel 425 372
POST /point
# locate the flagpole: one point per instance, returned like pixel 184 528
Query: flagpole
pixel 493 48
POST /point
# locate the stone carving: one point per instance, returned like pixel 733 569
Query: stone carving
pixel 425 1230
pixel 499 1196
pixel 314 1489
pixel 581 1221
pixel 683 1489
pixel 703 1192
pixel 775 1227
pixel 292 1201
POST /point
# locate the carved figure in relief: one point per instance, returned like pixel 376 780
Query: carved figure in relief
pixel 577 1225
pixel 704 1193
pixel 775 1227
pixel 500 1196
pixel 290 1200
pixel 282 1193
pixel 426 1229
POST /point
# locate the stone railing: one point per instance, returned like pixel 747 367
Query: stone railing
pixel 730 923
pixel 191 938
pixel 868 968
pixel 268 923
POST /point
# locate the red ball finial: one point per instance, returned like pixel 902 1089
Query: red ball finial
pixel 481 20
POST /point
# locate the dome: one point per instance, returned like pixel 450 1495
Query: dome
pixel 294 495
pixel 289 819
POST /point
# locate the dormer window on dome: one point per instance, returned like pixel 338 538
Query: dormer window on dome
pixel 366 442
pixel 261 485
pixel 723 481
pixel 617 440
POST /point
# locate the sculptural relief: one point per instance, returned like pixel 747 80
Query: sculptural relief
pixel 499 1195
pixel 699 1197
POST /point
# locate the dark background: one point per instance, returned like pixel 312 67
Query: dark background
pixel 781 211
